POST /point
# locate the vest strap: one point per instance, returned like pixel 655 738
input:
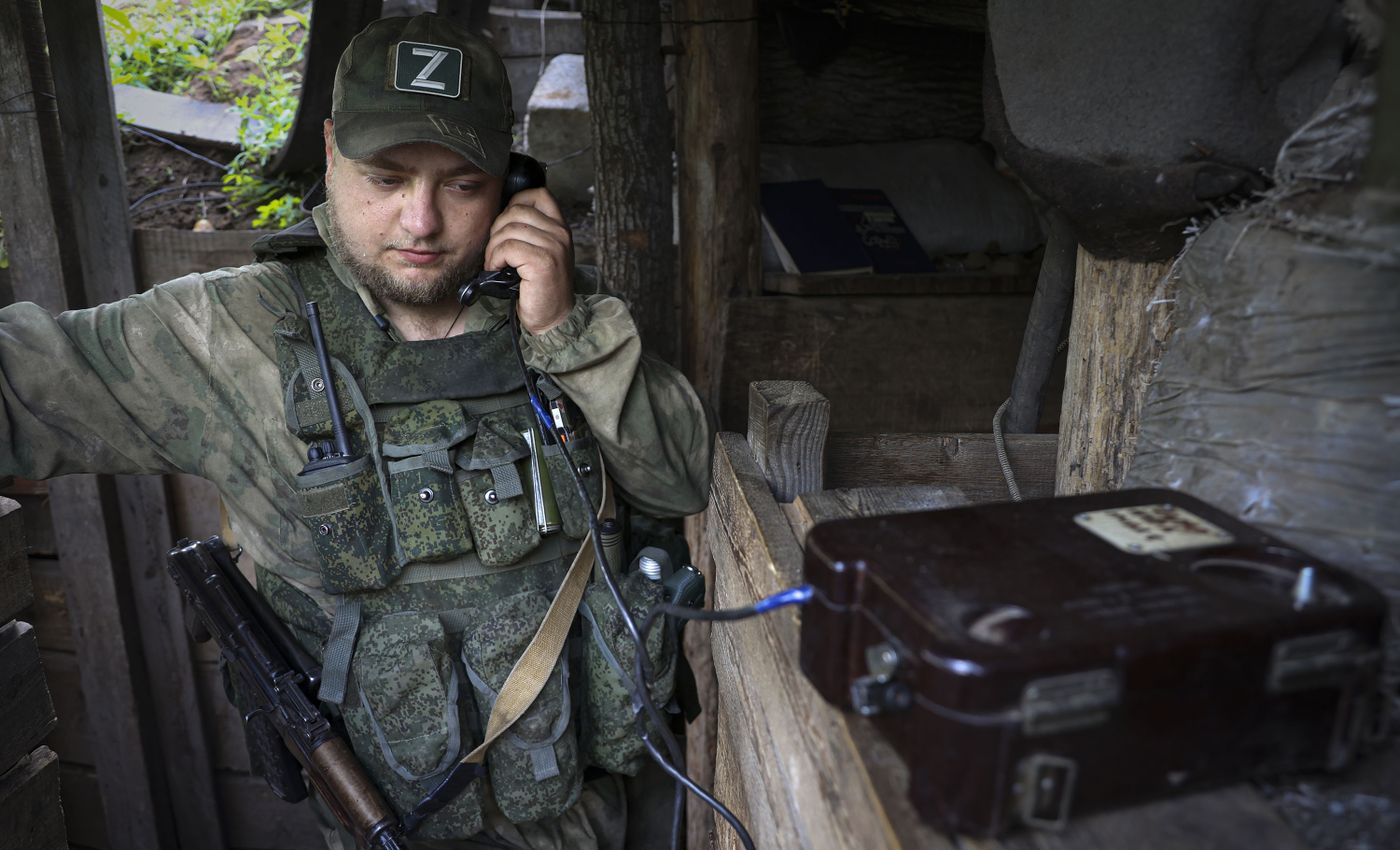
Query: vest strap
pixel 551 548
pixel 527 678
pixel 340 646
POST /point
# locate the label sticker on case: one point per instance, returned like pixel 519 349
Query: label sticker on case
pixel 1144 529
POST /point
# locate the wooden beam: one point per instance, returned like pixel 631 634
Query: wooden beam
pixel 788 421
pixel 785 759
pixel 96 180
pixel 1040 344
pixel 16 587
pixel 717 140
pixel 30 816
pixel 33 202
pixel 936 283
pixel 899 364
pixel 967 462
pixel 26 710
pixel 1122 315
pixel 632 144
pixel 98 585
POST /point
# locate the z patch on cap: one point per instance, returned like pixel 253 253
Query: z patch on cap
pixel 428 69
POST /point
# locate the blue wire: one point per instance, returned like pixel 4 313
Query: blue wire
pixel 792 596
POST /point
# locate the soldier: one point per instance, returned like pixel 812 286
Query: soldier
pixel 416 570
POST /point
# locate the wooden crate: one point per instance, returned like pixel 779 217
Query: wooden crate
pixel 799 772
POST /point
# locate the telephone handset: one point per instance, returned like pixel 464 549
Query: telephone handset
pixel 523 172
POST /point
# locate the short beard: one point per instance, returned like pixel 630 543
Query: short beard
pixel 381 282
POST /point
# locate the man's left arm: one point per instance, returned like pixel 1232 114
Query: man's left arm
pixel 647 419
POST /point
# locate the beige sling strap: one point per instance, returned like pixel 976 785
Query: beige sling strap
pixel 527 678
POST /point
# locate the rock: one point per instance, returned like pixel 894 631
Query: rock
pixel 557 130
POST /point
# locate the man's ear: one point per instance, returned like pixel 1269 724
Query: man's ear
pixel 328 131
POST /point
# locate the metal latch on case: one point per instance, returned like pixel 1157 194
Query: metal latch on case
pixel 1071 701
pixel 1328 660
pixel 880 692
pixel 1045 789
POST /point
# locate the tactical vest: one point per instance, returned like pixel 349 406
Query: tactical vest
pixel 430 544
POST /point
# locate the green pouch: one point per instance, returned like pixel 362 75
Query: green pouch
pixel 495 490
pixel 610 738
pixel 350 524
pixel 420 443
pixel 406 725
pixel 573 514
pixel 534 767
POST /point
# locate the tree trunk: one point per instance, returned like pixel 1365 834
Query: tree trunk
pixel 632 164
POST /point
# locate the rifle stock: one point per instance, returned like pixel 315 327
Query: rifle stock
pixel 281 676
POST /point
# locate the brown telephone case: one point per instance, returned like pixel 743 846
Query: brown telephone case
pixel 1042 659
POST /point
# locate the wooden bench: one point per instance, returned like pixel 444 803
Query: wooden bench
pixel 801 773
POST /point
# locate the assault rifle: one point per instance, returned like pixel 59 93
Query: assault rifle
pixel 282 678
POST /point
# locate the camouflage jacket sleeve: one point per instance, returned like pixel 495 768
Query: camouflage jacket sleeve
pixel 141 385
pixel 651 425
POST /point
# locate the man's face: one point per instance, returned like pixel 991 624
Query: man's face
pixel 411 222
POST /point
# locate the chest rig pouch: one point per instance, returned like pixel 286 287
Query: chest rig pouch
pixel 431 543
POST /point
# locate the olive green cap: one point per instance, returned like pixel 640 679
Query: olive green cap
pixel 423 79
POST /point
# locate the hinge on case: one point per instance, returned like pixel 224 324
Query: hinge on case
pixel 1071 701
pixel 1331 659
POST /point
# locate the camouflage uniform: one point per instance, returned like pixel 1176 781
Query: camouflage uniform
pixel 186 378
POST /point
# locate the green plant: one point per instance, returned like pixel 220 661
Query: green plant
pixel 166 45
pixel 4 255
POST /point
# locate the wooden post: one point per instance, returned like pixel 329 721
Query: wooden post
pixel 632 162
pixel 788 421
pixel 73 185
pixel 1122 314
pixel 1041 342
pixel 717 138
pixel 102 239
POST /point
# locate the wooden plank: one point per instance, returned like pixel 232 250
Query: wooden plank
pixel 916 363
pixel 787 434
pixel 700 736
pixel 717 142
pixel 812 508
pixel 177 117
pixel 163 255
pixel 1122 315
pixel 967 462
pixel 1040 346
pixel 785 755
pixel 26 711
pixel 939 283
pixel 30 815
pixel 98 588
pixel 16 588
pixel 32 197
